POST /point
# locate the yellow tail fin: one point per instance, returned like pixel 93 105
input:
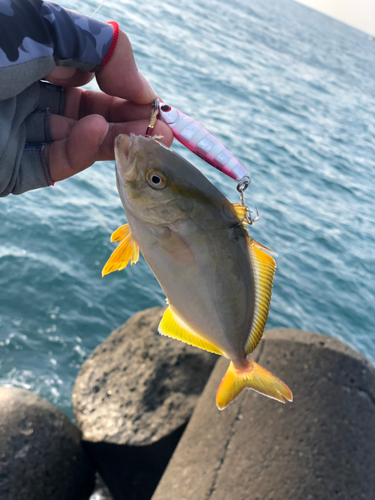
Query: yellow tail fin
pixel 254 377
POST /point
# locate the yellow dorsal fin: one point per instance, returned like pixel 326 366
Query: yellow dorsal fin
pixel 262 247
pixel 241 214
pixel 127 250
pixel 240 211
pixel 171 325
pixel 264 269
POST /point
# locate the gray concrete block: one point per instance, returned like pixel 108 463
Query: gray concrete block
pixel 132 400
pixel 320 447
pixel 41 455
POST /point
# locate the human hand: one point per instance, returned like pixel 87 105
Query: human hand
pixel 92 120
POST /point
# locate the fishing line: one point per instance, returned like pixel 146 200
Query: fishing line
pixel 96 10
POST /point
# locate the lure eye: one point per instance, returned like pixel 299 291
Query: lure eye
pixel 156 179
pixel 166 108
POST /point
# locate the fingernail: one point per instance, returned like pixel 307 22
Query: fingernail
pixel 101 140
pixel 148 87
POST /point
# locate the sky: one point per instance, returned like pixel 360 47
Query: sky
pixel 357 13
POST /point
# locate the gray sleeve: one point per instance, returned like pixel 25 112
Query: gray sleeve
pixel 25 128
pixel 37 36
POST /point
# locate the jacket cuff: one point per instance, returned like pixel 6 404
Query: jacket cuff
pixel 34 171
pixel 116 32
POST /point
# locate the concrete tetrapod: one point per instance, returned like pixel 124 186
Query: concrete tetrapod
pixel 320 447
pixel 41 455
pixel 132 400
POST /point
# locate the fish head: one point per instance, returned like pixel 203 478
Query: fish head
pixel 151 181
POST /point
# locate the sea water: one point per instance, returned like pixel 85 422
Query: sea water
pixel 290 93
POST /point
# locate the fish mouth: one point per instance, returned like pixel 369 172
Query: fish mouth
pixel 126 157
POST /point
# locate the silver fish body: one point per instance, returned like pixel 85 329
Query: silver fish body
pixel 217 280
pixel 196 247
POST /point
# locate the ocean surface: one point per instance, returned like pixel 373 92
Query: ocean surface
pixel 291 94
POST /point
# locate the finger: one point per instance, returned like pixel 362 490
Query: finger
pixel 61 127
pixel 69 77
pixel 78 144
pixel 106 151
pixel 80 103
pixel 79 150
pixel 120 76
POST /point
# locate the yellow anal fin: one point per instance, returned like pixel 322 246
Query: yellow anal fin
pixel 127 250
pixel 254 377
pixel 264 268
pixel 173 326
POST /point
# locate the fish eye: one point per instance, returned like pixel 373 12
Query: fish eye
pixel 156 179
pixel 166 108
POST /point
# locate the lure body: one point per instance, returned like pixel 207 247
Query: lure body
pixel 198 140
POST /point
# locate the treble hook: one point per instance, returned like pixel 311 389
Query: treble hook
pixel 241 188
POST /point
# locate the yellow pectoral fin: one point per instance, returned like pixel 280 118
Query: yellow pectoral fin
pixel 254 377
pixel 121 233
pixel 173 326
pixel 264 268
pixel 127 250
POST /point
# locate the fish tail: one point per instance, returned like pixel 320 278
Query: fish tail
pixel 253 377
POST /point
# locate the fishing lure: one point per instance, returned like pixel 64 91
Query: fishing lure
pixel 200 142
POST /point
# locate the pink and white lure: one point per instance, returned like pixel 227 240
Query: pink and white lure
pixel 198 140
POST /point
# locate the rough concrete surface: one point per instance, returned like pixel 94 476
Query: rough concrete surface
pixel 138 386
pixel 132 400
pixel 41 456
pixel 320 447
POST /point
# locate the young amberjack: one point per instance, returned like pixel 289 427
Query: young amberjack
pixel 217 280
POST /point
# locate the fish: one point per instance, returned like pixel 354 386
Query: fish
pixel 216 278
